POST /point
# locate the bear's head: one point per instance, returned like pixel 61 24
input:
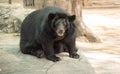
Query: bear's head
pixel 60 22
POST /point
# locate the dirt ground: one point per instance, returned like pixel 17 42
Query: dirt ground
pixel 105 24
pixel 97 58
pixel 104 56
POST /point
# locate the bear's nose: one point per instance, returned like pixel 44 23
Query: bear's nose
pixel 61 31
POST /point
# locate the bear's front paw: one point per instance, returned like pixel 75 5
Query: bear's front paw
pixel 74 55
pixel 53 58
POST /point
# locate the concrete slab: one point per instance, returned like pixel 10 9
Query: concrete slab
pixel 12 61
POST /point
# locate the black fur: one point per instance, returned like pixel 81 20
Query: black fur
pixel 37 36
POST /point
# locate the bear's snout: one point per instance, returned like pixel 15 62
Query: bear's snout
pixel 60 32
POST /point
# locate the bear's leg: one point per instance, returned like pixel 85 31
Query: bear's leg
pixel 48 48
pixel 71 48
pixel 32 49
pixel 58 47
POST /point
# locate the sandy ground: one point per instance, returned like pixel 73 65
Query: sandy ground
pixel 96 58
pixel 104 56
pixel 105 23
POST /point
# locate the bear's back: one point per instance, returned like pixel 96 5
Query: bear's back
pixel 43 14
pixel 34 23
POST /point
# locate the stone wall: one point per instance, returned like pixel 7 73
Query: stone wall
pixel 11 17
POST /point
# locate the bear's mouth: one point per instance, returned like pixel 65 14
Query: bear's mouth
pixel 60 32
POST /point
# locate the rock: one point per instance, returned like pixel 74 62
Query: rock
pixel 11 17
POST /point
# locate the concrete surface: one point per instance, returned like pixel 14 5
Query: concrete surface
pixel 12 61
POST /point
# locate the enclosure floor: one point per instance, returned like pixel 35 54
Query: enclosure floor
pixel 104 23
pixel 12 61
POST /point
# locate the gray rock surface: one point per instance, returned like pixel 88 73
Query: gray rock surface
pixel 12 61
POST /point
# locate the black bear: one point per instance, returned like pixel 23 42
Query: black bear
pixel 47 31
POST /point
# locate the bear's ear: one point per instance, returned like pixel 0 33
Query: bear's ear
pixel 72 18
pixel 51 16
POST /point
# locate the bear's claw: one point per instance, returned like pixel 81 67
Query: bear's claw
pixel 53 58
pixel 74 55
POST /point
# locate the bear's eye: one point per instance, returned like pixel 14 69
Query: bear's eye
pixel 66 23
pixel 55 25
pixel 57 22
